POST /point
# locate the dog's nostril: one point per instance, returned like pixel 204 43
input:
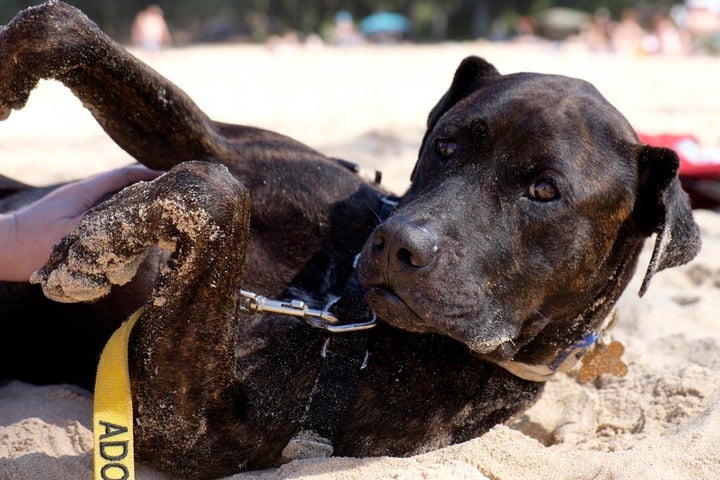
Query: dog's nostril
pixel 419 253
pixel 406 257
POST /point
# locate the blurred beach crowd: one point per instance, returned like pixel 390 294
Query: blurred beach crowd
pixel 691 27
pixel 684 28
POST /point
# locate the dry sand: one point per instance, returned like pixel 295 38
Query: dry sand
pixel 369 105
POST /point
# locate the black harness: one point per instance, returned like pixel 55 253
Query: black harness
pixel 344 356
pixel 344 352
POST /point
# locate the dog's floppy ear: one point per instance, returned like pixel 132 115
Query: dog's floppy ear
pixel 662 207
pixel 472 72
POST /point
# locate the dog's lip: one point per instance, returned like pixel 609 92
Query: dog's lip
pixel 392 309
pixel 386 294
pixel 390 306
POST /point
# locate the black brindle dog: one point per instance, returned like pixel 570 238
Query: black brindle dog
pixel 530 202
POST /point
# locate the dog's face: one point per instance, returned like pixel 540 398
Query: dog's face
pixel 522 201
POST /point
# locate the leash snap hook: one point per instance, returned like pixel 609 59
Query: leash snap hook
pixel 323 319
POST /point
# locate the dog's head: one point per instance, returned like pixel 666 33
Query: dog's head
pixel 529 204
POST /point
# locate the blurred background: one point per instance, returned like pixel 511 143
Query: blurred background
pixel 357 79
pixel 649 25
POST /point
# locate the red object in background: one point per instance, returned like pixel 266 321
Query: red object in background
pixel 688 167
pixel 699 174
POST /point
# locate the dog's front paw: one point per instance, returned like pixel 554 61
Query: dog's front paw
pixel 40 42
pixel 82 268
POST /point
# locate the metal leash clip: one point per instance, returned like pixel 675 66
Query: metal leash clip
pixel 322 319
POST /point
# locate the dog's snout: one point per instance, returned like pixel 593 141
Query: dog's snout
pixel 403 243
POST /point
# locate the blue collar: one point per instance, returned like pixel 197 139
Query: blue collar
pixel 595 345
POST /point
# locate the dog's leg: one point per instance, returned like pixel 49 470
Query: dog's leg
pixel 147 115
pixel 182 356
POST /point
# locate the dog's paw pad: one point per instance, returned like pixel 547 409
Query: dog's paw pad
pixel 77 279
pixel 64 285
pixel 118 269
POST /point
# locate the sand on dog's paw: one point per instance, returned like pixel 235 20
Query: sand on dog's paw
pixel 66 286
pixel 85 281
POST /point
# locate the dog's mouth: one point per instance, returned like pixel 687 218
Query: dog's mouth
pixel 401 312
pixel 391 307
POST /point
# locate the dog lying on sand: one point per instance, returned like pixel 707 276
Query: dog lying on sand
pixel 438 313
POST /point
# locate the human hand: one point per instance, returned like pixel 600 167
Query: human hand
pixel 28 235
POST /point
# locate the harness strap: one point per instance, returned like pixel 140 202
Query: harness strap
pixel 343 358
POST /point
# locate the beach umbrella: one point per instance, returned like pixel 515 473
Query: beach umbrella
pixel 384 22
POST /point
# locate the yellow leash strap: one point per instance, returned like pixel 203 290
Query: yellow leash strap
pixel 113 457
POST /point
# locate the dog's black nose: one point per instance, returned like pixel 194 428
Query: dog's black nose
pixel 403 243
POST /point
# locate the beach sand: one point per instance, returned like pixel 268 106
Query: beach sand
pixel 369 105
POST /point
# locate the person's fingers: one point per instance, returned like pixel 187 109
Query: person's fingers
pixel 114 180
pixel 88 192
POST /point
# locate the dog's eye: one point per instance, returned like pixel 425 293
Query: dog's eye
pixel 446 148
pixel 543 191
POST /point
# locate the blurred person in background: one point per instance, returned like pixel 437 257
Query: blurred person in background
pixel 703 24
pixel 149 30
